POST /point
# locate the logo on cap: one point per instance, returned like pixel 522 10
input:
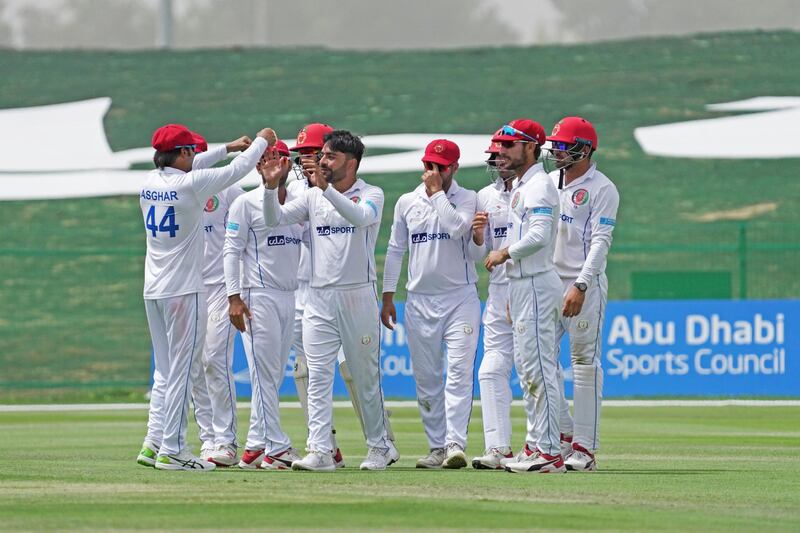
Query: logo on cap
pixel 438 148
pixel 301 137
pixel 556 128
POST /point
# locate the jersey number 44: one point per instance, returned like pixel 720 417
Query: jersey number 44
pixel 167 224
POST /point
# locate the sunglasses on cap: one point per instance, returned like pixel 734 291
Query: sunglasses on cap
pixel 191 146
pixel 562 146
pixel 511 130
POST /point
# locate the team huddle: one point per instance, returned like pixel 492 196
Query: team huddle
pixel 291 264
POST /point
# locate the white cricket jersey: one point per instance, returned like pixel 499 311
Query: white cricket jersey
pixel 588 217
pixel 533 215
pixel 343 229
pixel 172 204
pixel 298 187
pixel 494 199
pixel 437 231
pixel 269 255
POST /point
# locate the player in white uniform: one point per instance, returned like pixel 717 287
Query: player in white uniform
pixel 434 222
pixel 344 215
pixel 534 287
pixel 262 308
pixel 172 200
pixel 489 229
pixel 589 202
pixel 212 375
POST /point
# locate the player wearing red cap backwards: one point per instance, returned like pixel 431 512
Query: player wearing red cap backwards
pixel 534 287
pixel 261 296
pixel 344 215
pixel 489 230
pixel 172 200
pixel 589 202
pixel 433 222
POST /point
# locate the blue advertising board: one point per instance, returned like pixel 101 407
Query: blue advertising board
pixel 650 348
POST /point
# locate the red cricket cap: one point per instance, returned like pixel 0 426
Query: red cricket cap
pixel 282 148
pixel 494 146
pixel 170 136
pixel 521 129
pixel 311 136
pixel 574 130
pixel 441 152
pixel 200 142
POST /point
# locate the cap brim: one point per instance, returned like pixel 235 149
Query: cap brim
pixel 437 160
pixel 501 138
pixel 299 147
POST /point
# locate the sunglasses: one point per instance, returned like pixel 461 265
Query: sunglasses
pixel 510 144
pixel 511 130
pixel 190 146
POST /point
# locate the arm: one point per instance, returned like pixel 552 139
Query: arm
pixel 276 214
pixel 210 181
pixel 235 242
pixel 398 244
pixel 603 220
pixel 365 213
pixel 540 202
pixel 455 221
pixel 210 157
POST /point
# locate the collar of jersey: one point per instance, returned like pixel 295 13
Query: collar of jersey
pixel 587 176
pixel 172 170
pixel 359 184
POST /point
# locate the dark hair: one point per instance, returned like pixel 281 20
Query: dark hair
pixel 165 159
pixel 345 142
pixel 537 152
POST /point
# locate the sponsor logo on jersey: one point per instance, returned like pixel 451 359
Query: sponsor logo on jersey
pixel 580 197
pixel 233 226
pixel 542 211
pixel 212 204
pixel 159 196
pixel 515 200
pixel 280 240
pixel 417 238
pixel 334 230
pixel 567 219
pixel 608 221
pixel 500 233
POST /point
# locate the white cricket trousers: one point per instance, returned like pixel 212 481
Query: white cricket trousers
pixel 494 374
pixel 452 319
pixel 267 342
pixel 346 318
pixel 535 302
pixel 586 343
pixel 177 330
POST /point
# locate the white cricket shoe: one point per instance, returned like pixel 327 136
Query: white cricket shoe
pixel 380 458
pixel 455 457
pixel 580 460
pixel 224 455
pixel 281 461
pixel 251 459
pixel 566 445
pixel 148 454
pixel 206 451
pixel 493 459
pixel 183 461
pixel 433 460
pixel 538 462
pixel 316 462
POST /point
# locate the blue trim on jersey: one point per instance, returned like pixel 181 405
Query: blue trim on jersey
pixel 583 233
pixel 373 206
pixel 541 368
pixel 231 391
pixel 258 264
pixel 366 249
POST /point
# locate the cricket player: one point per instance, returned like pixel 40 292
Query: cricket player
pixel 534 287
pixel 214 374
pixel 489 229
pixel 589 202
pixel 172 200
pixel 341 309
pixel 434 223
pixel 262 308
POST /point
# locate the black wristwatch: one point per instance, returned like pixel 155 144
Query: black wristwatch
pixel 581 286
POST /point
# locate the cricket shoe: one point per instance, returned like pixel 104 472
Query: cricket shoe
pixel 206 451
pixel 183 461
pixel 281 461
pixel 566 445
pixel 251 459
pixel 380 458
pixel 316 462
pixel 538 462
pixel 148 455
pixel 493 459
pixel 524 453
pixel 580 460
pixel 433 460
pixel 338 459
pixel 224 455
pixel 455 457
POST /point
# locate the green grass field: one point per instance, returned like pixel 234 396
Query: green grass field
pixel 661 469
pixel 72 323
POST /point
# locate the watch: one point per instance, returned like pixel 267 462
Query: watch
pixel 581 286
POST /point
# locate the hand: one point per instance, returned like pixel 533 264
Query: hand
pixel 432 180
pixel 239 144
pixel 495 258
pixel 273 168
pixel 573 302
pixel 269 135
pixel 313 172
pixel 479 227
pixel 388 312
pixel 237 311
